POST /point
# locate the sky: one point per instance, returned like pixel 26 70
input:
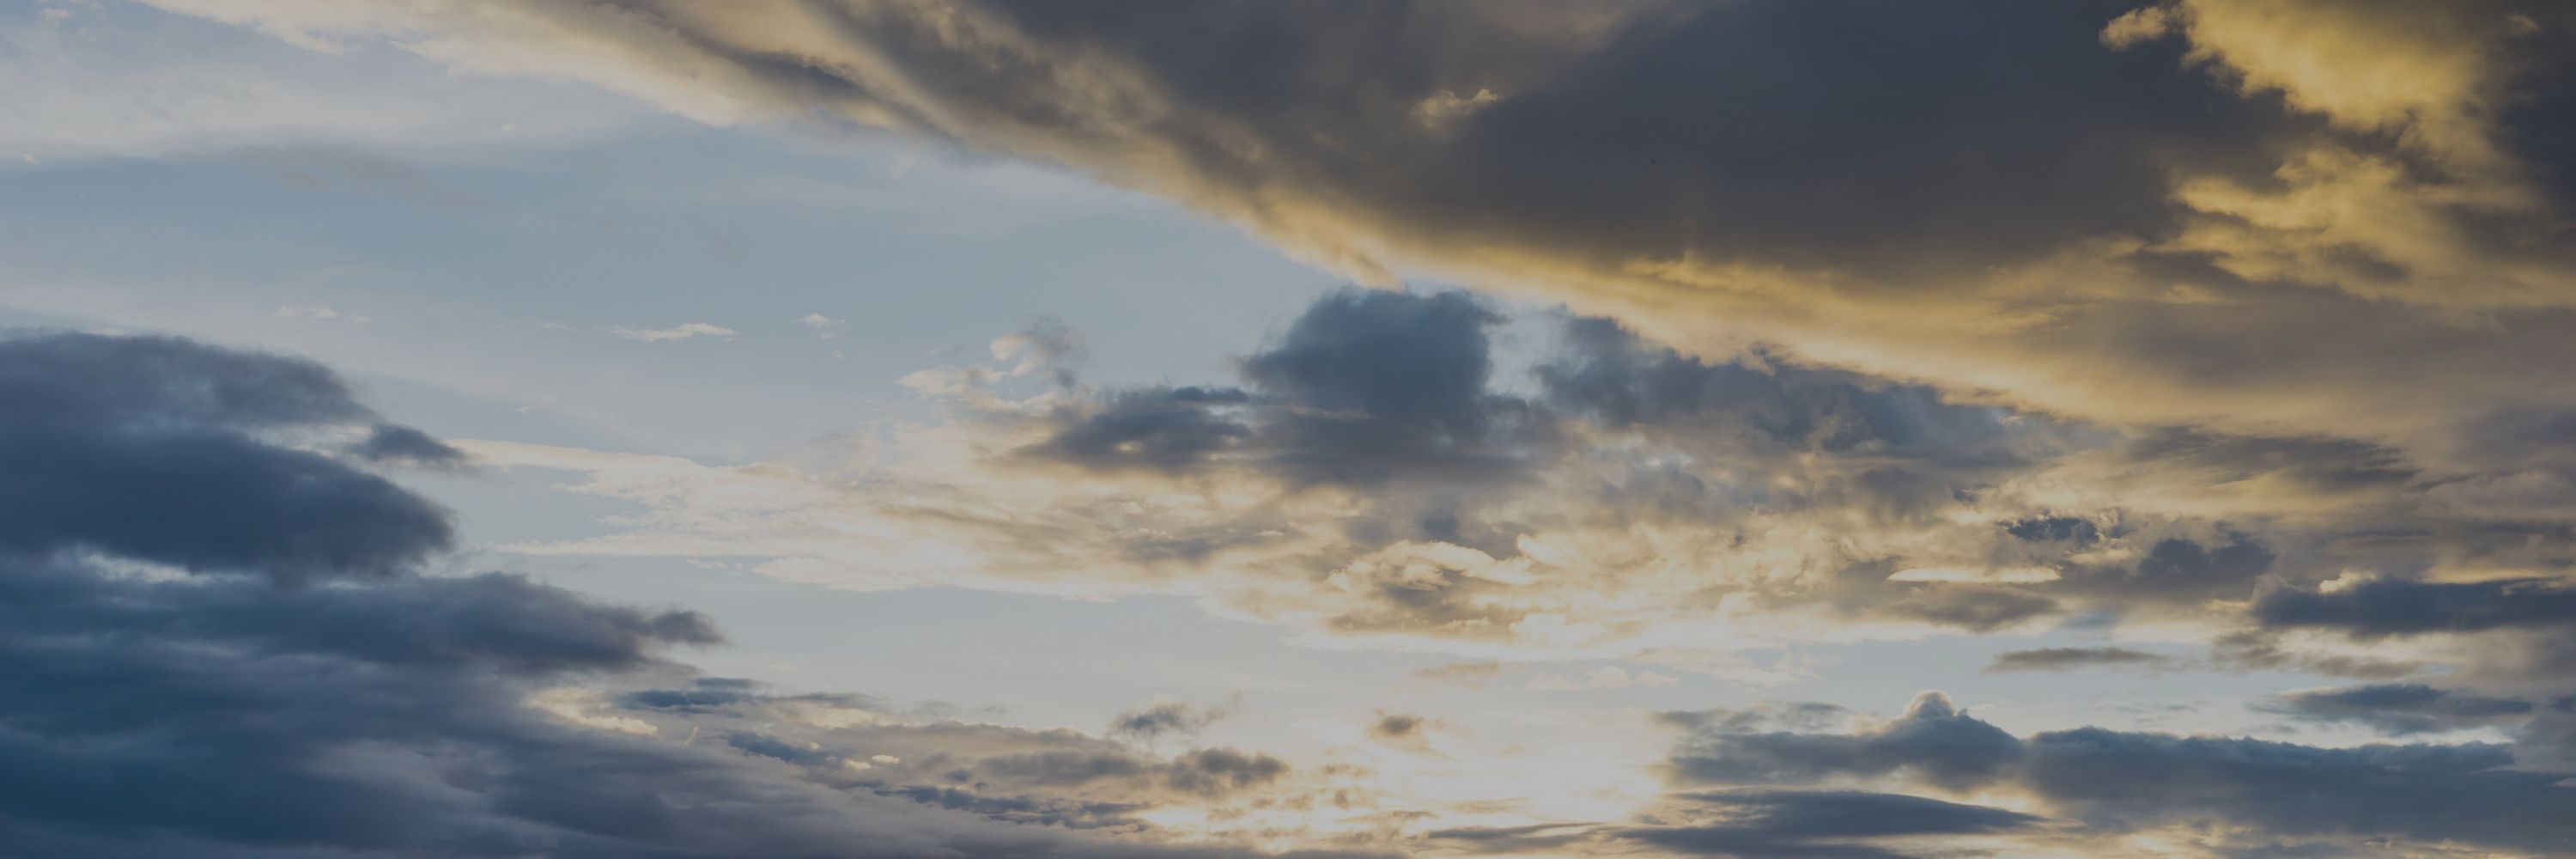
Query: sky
pixel 1216 430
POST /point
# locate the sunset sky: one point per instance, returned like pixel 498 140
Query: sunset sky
pixel 1780 429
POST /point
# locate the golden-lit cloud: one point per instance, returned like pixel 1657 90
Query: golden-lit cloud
pixel 2060 225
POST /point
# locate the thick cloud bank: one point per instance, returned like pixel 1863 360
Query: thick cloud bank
pixel 2269 216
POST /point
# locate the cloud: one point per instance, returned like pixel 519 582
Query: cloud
pixel 152 449
pixel 2116 781
pixel 1165 718
pixel 1470 674
pixel 1604 677
pixel 2072 658
pixel 1933 742
pixel 682 331
pixel 1843 329
pixel 1406 732
pixel 1365 388
pixel 2402 708
pixel 1369 474
pixel 309 687
pixel 2392 607
pixel 1747 823
pixel 823 326
pixel 2289 211
pixel 288 311
pixel 401 444
pixel 101 82
pixel 1820 823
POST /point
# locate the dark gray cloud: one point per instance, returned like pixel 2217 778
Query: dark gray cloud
pixel 2118 781
pixel 152 449
pixel 2423 793
pixel 309 693
pixel 1368 387
pixel 1821 824
pixel 2072 658
pixel 1165 718
pixel 1933 742
pixel 2396 607
pixel 84 380
pixel 1171 429
pixel 1203 772
pixel 1396 726
pixel 2402 708
pixel 1587 149
pixel 1388 383
pixel 404 445
pixel 1608 374
pixel 711 694
pixel 1365 388
pixel 2174 570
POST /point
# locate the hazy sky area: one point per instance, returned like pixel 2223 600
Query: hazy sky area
pixel 894 428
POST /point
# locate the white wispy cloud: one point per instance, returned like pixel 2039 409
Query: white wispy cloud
pixel 289 311
pixel 681 331
pixel 824 326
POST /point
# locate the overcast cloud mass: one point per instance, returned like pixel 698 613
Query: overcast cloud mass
pixel 1761 428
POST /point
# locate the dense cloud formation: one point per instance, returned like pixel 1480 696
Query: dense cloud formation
pixel 216 641
pixel 2258 216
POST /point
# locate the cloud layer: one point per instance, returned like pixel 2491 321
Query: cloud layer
pixel 2233 333
pixel 223 638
